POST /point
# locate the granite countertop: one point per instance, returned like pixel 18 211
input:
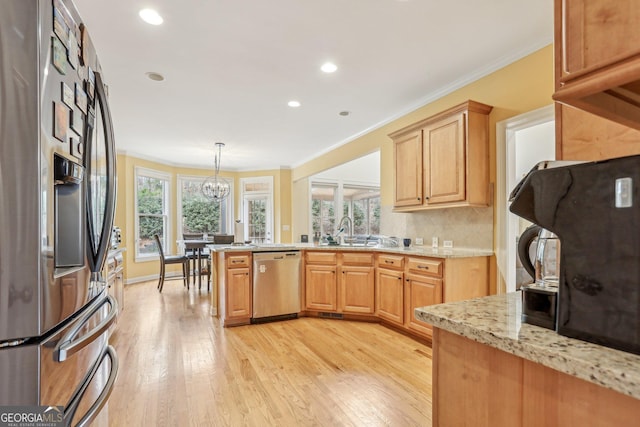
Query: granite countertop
pixel 496 321
pixel 414 250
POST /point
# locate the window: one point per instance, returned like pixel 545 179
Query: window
pixel 323 202
pixel 197 213
pixel 361 203
pixel 152 211
pixel 257 212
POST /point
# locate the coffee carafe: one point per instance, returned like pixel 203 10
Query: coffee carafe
pixel 545 269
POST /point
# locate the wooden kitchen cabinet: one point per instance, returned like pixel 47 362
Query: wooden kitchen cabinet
pixel 597 50
pixel 239 293
pixel 390 288
pixel 234 286
pixel 423 288
pixel 404 283
pixel 321 282
pixel 443 157
pixel 408 169
pixel 356 283
pixel 390 295
pixel 443 161
pixel 321 287
pixel 499 389
pixel 421 292
pixel 389 285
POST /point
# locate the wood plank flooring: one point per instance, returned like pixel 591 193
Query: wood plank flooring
pixel 179 367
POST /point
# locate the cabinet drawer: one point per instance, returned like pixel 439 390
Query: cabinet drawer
pixel 431 267
pixel 391 261
pixel 357 258
pixel 321 257
pixel 239 260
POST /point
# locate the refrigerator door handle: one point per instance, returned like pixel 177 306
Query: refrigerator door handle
pixel 99 249
pixel 91 413
pixel 68 346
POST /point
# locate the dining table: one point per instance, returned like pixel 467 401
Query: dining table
pixel 197 247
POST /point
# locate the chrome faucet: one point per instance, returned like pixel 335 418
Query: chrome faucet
pixel 349 224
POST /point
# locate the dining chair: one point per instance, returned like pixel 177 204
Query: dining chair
pixel 192 253
pixel 171 259
pixel 223 239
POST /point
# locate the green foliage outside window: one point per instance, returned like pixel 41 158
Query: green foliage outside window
pixel 199 215
pixel 151 221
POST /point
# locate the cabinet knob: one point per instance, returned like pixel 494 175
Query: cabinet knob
pixel 399 278
pixel 418 198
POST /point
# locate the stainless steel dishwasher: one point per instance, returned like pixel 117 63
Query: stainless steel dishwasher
pixel 276 285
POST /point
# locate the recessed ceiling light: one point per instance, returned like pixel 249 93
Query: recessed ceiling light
pixel 344 113
pixel 157 77
pixel 294 104
pixel 329 67
pixel 150 16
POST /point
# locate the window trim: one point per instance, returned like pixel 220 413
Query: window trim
pixel 151 173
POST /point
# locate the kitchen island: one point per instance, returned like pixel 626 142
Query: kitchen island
pixel 502 372
pixel 369 283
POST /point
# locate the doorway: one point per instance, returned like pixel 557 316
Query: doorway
pixel 522 141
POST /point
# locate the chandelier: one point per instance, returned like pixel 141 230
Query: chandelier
pixel 215 187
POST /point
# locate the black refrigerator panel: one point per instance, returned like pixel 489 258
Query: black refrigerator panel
pixel 594 209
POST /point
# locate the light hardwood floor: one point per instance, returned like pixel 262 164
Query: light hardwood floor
pixel 179 367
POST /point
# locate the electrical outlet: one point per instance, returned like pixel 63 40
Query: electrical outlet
pixel 434 242
pixel 419 241
pixel 447 244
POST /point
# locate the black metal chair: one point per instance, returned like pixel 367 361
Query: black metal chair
pixel 171 259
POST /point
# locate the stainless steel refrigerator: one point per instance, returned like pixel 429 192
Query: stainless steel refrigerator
pixel 57 200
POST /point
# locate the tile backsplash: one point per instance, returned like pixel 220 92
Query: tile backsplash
pixel 467 227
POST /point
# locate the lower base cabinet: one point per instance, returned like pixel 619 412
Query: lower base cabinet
pixel 390 295
pixel 238 293
pixel 357 289
pixel 234 287
pixel 404 283
pixel 422 291
pixel 478 385
pixel 321 287
pixel 389 286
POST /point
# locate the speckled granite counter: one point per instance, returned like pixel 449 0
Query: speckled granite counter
pixel 496 322
pixel 414 250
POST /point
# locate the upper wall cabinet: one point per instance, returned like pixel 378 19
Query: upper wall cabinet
pixel 443 161
pixel 597 46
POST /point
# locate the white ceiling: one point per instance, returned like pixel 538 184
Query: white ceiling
pixel 231 66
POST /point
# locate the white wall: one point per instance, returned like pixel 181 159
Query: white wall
pixel 364 170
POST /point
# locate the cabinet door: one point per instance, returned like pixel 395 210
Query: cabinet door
pixel 238 293
pixel 421 291
pixel 356 290
pixel 596 33
pixel 321 287
pixel 408 169
pixel 390 295
pixel 444 160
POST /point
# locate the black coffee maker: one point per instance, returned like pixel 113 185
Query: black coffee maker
pixel 594 208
